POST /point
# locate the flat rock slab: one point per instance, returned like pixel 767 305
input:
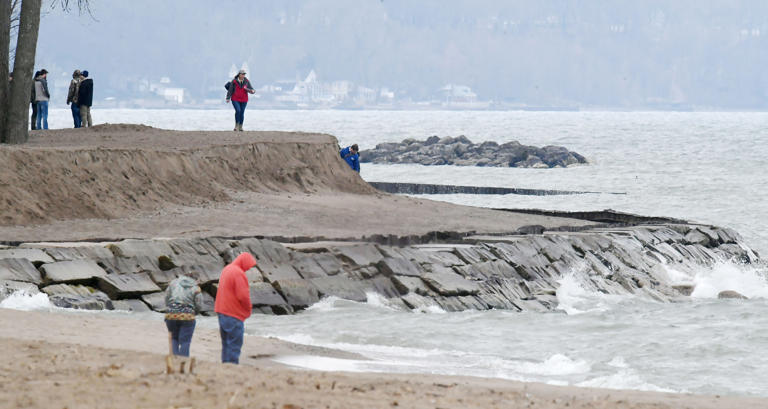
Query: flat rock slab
pixel 72 271
pixel 19 269
pixel 277 272
pixel 298 293
pixel 308 267
pixel 119 286
pixel 360 254
pixel 340 286
pixel 130 305
pixel 399 266
pixel 149 248
pixel 129 265
pixel 409 285
pixel 156 301
pixel 450 284
pixel 36 256
pixel 264 294
pixel 8 287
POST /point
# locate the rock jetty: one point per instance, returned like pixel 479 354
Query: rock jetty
pixel 519 272
pixel 461 151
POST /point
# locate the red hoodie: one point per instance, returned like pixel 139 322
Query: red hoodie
pixel 233 298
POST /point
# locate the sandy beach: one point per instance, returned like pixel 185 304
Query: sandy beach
pixel 129 181
pixel 87 360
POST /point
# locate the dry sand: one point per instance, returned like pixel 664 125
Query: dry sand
pixel 87 360
pixel 120 181
pixel 132 181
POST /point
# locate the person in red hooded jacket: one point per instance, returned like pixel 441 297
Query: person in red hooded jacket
pixel 233 305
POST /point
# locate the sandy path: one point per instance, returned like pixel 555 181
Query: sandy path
pixel 83 360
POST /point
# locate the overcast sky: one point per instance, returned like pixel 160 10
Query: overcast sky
pixel 589 53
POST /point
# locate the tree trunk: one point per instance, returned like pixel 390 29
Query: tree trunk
pixel 17 125
pixel 5 40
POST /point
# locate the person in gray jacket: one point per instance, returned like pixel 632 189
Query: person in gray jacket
pixel 183 300
pixel 42 96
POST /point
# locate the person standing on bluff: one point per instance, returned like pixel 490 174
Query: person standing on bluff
pixel 74 88
pixel 33 103
pixel 351 155
pixel 183 300
pixel 238 90
pixel 85 99
pixel 42 96
pixel 233 305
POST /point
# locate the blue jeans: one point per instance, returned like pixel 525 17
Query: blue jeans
pixel 42 114
pixel 239 111
pixel 181 335
pixel 76 114
pixel 231 330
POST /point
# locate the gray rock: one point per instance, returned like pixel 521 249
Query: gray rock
pixel 119 286
pixel 416 302
pixel 19 269
pixel 130 305
pixel 382 285
pixel 75 271
pixel 208 304
pixel 340 286
pixel 450 284
pixel 264 250
pixel 263 294
pixel 730 294
pixel 277 272
pixel 399 266
pixel 299 294
pixel 328 262
pixel 407 285
pixel 360 254
pixel 308 267
pixel 129 265
pixel 8 287
pixel 684 289
pixel 156 301
pixel 35 256
pixel 78 297
pixel 152 249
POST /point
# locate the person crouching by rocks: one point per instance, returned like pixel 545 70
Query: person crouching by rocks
pixel 74 88
pixel 183 300
pixel 233 305
pixel 238 91
pixel 85 99
pixel 352 156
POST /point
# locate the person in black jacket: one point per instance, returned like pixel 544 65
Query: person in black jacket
pixel 85 99
pixel 33 119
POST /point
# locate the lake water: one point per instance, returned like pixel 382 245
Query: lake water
pixel 702 167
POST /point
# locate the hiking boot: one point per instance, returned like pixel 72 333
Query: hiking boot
pixel 236 126
pixel 240 127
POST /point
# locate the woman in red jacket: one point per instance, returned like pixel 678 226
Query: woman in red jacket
pixel 238 91
pixel 233 304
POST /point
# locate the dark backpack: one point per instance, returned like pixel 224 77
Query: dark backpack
pixel 227 85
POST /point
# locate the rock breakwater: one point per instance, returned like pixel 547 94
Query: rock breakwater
pixel 516 272
pixel 462 152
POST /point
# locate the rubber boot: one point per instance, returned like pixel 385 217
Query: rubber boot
pixel 236 126
pixel 240 127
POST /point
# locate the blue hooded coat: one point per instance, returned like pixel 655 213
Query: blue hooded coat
pixel 353 159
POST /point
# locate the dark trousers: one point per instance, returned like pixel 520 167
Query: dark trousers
pixel 231 330
pixel 76 114
pixel 33 120
pixel 181 335
pixel 239 111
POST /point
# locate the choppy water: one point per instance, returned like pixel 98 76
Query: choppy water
pixel 704 167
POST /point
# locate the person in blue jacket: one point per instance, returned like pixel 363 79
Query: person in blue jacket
pixel 351 155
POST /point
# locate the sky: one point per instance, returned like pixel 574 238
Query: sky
pixel 615 54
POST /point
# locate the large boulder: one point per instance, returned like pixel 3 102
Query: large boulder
pixel 130 305
pixel 265 295
pixel 8 287
pixel 19 269
pixel 730 294
pixel 78 297
pixel 399 266
pixel 119 286
pixel 299 294
pixel 450 284
pixel 35 256
pixel 75 271
pixel 360 254
pixel 340 286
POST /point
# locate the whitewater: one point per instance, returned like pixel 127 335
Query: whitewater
pixel 704 167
